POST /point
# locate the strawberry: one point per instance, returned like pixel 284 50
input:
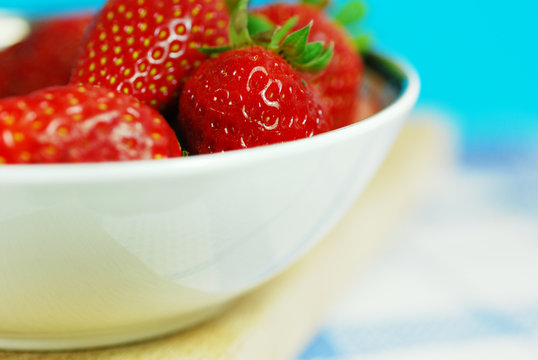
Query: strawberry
pixel 147 48
pixel 249 95
pixel 81 124
pixel 338 85
pixel 45 57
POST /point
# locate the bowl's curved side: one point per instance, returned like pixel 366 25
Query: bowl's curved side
pixel 86 255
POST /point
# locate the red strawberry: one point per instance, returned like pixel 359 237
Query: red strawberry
pixel 251 96
pixel 146 48
pixel 339 84
pixel 81 124
pixel 45 58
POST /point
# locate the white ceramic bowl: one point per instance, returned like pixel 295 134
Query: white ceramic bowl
pixel 100 254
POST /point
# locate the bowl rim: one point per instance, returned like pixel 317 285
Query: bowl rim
pixel 129 171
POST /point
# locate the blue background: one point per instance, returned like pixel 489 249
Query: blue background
pixel 477 60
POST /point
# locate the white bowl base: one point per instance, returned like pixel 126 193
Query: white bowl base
pixel 108 337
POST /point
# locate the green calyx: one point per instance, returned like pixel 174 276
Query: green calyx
pixel 363 43
pixel 303 55
pixel 231 5
pixel 251 30
pixel 351 13
pixel 349 16
pixel 317 3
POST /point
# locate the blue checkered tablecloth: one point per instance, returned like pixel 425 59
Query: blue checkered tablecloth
pixel 460 280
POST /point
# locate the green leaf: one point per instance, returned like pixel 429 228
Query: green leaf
pixel 282 31
pixel 295 43
pixel 363 42
pixel 317 3
pixel 231 5
pixel 263 38
pixel 215 49
pixel 259 23
pixel 352 12
pixel 320 62
pixel 311 51
pixel 184 153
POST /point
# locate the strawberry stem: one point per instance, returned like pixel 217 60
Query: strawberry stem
pixel 239 35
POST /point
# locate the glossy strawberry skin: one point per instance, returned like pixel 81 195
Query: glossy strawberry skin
pixel 338 85
pixel 81 124
pixel 147 48
pixel 45 57
pixel 246 98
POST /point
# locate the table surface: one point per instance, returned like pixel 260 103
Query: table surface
pixel 460 280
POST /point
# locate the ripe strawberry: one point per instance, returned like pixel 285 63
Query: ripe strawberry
pixel 251 96
pixel 146 48
pixel 45 58
pixel 81 124
pixel 338 85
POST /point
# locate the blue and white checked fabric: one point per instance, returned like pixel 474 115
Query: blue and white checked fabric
pixel 460 281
